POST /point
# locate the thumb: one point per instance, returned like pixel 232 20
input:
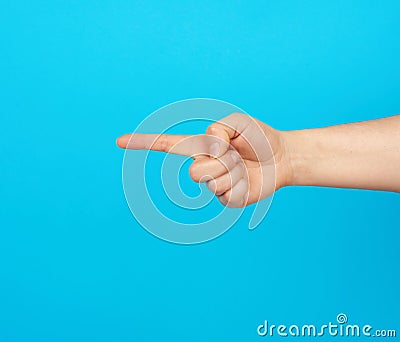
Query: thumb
pixel 224 134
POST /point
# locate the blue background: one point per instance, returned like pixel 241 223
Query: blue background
pixel 74 264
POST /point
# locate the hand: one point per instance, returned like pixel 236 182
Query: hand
pixel 244 160
pixel 241 159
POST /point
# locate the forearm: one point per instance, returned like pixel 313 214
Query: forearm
pixel 363 155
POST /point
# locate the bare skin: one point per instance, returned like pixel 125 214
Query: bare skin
pixel 244 160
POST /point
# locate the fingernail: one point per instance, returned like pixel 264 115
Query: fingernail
pixel 214 150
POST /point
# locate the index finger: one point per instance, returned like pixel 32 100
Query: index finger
pixel 187 145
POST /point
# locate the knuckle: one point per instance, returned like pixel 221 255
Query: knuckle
pixel 215 129
pixel 211 129
pixel 238 115
pixel 242 202
pixel 237 203
pixel 211 185
pixel 222 200
pixel 227 196
pixel 163 143
pixel 194 172
pixel 218 190
pixel 222 187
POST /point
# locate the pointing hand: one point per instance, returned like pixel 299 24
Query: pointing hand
pixel 236 157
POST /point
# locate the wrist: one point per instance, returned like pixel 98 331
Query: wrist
pixel 297 157
pixel 283 161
